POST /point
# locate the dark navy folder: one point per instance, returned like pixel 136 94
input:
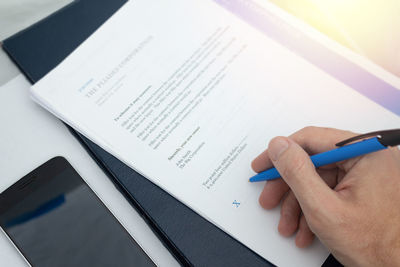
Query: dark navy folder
pixel 189 237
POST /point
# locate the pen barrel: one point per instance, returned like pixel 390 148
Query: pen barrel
pixel 347 152
pixel 329 157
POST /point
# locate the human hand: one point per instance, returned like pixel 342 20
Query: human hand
pixel 353 207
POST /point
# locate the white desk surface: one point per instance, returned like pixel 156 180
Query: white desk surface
pixel 30 136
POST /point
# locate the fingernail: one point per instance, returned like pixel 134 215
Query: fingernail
pixel 276 147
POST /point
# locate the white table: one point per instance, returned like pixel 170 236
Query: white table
pixel 29 136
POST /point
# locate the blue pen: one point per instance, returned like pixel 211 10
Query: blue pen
pixel 347 150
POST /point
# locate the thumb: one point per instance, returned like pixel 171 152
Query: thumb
pixel 296 168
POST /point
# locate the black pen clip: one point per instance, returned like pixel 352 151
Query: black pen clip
pixel 386 138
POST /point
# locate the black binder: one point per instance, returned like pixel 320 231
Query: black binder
pixel 189 237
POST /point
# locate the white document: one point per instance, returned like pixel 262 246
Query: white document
pixel 187 94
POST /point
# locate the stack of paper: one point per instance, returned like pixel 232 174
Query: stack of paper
pixel 187 94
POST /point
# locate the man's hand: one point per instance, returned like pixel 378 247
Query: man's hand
pixel 353 206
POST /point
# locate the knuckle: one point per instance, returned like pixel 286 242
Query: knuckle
pixel 304 134
pixel 299 165
pixel 296 166
pixel 329 217
pixel 309 129
pixel 314 215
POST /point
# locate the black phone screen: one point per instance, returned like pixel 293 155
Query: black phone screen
pixel 55 219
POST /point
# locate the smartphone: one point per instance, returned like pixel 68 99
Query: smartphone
pixel 54 219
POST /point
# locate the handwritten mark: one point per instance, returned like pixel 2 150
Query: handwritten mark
pixel 236 203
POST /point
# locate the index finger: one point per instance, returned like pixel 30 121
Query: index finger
pixel 316 140
pixel 313 140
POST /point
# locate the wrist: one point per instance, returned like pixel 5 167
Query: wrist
pixel 388 253
pixel 394 258
pixel 374 254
